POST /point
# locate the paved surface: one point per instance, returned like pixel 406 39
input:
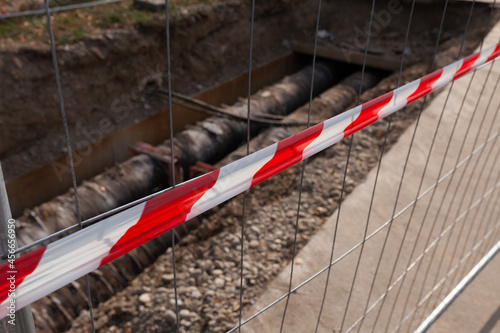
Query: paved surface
pixel 478 308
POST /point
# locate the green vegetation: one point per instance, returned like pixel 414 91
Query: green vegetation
pixel 71 26
pixel 78 34
pixel 8 27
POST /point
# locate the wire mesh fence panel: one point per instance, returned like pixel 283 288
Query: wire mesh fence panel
pixel 394 294
pixel 324 220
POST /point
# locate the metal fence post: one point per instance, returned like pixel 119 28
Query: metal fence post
pixel 21 320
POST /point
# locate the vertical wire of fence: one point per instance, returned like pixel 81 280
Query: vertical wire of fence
pixel 172 154
pixel 69 148
pixel 243 206
pixel 302 171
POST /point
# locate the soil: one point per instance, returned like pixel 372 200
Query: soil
pixel 210 44
pixel 104 73
pixel 104 76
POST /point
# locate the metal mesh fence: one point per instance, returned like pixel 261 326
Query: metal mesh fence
pixel 404 238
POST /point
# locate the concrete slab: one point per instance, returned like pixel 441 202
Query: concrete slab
pixel 304 305
pixel 477 309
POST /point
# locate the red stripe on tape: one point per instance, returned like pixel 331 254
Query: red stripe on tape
pixel 425 85
pixel 14 275
pixel 495 53
pixel 288 152
pixel 162 214
pixel 369 113
pixel 466 65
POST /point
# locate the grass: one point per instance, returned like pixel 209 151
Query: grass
pixel 72 26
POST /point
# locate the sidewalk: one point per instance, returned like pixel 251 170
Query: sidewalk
pixel 477 309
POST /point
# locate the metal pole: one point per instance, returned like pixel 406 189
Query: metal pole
pixel 20 321
pixel 458 289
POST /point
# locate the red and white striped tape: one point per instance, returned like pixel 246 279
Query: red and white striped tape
pixel 40 272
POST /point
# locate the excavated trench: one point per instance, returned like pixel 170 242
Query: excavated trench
pixel 213 141
pixel 281 89
pixel 208 142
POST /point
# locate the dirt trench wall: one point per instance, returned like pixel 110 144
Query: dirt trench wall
pixel 103 76
pixel 203 142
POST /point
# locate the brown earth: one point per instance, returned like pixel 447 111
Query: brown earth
pixel 104 73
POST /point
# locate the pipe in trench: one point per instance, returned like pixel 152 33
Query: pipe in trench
pixel 142 175
pixel 330 103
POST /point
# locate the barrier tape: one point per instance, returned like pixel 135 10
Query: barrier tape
pixel 45 270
